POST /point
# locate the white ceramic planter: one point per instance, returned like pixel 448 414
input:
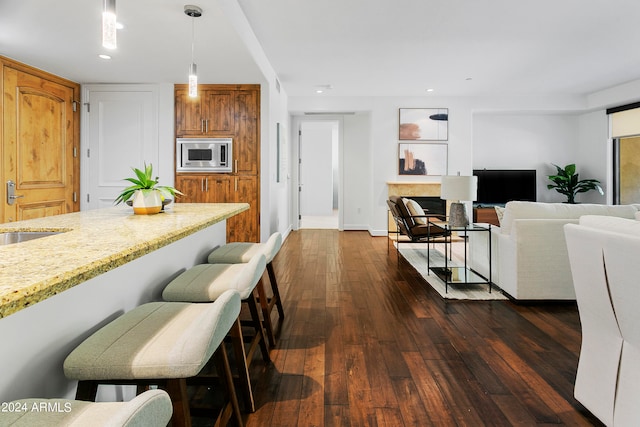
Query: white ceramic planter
pixel 146 202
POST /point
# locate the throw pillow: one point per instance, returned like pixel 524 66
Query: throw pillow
pixel 415 210
pixel 499 214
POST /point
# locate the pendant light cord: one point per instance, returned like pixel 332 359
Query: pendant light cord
pixel 193 37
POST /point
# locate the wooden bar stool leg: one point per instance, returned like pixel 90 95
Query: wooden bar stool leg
pixel 177 389
pixel 274 288
pixel 257 325
pixel 142 388
pixel 222 366
pixel 266 313
pixel 243 368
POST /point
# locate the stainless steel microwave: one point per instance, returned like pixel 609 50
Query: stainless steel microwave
pixel 204 155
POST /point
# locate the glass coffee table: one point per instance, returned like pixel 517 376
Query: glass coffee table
pixel 456 274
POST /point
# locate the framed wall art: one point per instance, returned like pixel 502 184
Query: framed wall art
pixel 424 124
pixel 422 159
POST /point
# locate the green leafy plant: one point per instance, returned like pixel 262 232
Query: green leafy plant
pixel 567 182
pixel 144 182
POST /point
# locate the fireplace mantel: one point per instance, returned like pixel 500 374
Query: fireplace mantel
pixel 413 188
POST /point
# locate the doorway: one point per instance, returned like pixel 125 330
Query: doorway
pixel 319 174
pixel 38 143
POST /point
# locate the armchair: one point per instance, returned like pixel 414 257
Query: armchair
pixel 416 226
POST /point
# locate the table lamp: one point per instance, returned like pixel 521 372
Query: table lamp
pixel 458 188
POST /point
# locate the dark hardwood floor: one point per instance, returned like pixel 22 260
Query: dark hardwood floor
pixel 366 342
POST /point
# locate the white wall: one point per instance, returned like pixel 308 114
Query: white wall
pixel 274 196
pixel 357 172
pixel 527 141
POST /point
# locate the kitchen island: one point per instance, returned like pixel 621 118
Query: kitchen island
pixel 57 290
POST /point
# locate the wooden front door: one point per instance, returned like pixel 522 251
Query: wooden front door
pixel 38 137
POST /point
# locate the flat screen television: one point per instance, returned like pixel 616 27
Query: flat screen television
pixel 499 186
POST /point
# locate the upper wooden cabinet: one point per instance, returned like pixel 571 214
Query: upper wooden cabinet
pixel 211 113
pixel 223 111
pixel 246 149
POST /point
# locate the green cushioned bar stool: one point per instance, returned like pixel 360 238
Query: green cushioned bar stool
pixel 242 252
pixel 149 409
pixel 206 282
pixel 162 344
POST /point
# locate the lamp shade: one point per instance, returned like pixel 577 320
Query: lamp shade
pixel 456 187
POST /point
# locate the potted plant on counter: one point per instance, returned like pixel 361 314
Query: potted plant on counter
pixel 148 196
pixel 566 182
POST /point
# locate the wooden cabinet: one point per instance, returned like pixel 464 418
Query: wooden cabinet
pixel 226 188
pixel 245 226
pixel 211 113
pixel 203 188
pixel 246 151
pixel 486 215
pixel 224 111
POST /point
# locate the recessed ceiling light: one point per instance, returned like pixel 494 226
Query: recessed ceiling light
pixel 323 88
pixel 119 26
pixel 103 56
pixel 429 90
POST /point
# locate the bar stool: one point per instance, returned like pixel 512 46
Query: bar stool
pixel 242 252
pixel 206 282
pixel 151 408
pixel 163 344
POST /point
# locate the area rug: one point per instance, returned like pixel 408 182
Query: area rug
pixel 416 255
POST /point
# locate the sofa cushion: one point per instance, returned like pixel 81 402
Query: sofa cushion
pixel 430 230
pixel 538 210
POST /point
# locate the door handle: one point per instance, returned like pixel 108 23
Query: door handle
pixel 11 190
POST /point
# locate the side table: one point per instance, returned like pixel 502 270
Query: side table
pixel 460 275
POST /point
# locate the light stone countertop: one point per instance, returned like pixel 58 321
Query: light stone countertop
pixel 94 241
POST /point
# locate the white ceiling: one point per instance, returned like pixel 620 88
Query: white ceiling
pixel 373 47
pixel 64 37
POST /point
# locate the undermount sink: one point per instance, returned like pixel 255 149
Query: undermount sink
pixel 10 237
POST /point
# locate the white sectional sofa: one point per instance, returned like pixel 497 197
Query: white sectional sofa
pixel 529 252
pixel 604 253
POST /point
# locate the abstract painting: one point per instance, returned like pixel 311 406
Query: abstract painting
pixel 422 159
pixel 424 124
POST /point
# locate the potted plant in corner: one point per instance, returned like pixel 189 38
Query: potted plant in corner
pixel 148 196
pixel 566 182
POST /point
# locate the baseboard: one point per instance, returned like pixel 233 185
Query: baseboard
pixel 355 227
pixel 378 233
pixel 286 233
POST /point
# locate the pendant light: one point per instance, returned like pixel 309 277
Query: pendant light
pixel 109 24
pixel 193 12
